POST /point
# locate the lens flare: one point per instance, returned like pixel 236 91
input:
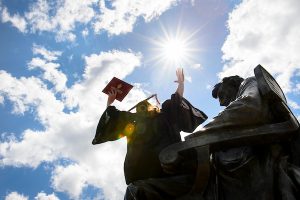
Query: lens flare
pixel 129 129
pixel 120 135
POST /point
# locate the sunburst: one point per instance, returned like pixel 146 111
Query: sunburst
pixel 174 49
pixel 170 48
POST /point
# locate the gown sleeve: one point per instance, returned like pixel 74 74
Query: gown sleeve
pixel 182 114
pixel 111 125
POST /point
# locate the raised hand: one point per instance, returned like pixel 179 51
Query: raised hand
pixel 180 76
pixel 112 95
pixel 180 81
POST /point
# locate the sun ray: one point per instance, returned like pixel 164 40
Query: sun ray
pixel 171 47
pixel 174 48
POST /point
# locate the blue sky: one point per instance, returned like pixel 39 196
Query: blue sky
pixel 57 56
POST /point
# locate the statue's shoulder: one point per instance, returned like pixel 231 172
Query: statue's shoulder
pixel 268 86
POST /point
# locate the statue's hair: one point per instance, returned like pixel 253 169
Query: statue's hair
pixel 215 90
pixel 234 81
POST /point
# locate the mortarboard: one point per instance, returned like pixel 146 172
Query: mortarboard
pixel 153 95
pixel 120 86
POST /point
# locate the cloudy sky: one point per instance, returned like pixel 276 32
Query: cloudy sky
pixel 57 56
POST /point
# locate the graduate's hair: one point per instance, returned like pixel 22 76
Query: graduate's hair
pixel 234 81
pixel 142 106
pixel 145 106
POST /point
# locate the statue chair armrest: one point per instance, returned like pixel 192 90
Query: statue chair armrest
pixel 200 145
pixel 218 139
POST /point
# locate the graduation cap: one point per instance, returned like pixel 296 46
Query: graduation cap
pixel 120 86
pixel 145 100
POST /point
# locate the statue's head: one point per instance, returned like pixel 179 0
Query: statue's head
pixel 146 108
pixel 226 91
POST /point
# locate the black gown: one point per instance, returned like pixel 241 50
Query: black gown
pixel 148 135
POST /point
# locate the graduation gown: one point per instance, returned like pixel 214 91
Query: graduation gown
pixel 148 135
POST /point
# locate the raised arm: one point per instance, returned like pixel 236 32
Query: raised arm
pixel 180 111
pixel 180 81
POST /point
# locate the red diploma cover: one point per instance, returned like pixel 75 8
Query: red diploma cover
pixel 120 86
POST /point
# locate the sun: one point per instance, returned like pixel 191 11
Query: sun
pixel 171 47
pixel 174 50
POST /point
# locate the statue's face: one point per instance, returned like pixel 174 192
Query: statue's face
pixel 226 94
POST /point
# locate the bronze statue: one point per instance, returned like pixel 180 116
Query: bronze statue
pixel 244 172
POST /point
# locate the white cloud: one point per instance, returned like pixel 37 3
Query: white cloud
pixel 98 71
pixel 69 135
pixel 65 36
pixel 297 87
pixel 26 92
pixel 66 14
pixel 39 17
pixel 85 32
pixel 44 196
pixel 196 66
pixel 293 104
pixel 16 153
pixel 103 63
pixel 50 72
pixel 62 16
pixel 16 20
pixel 73 11
pixel 1 100
pixel 50 69
pixel 39 196
pixel 6 136
pixel 15 196
pixel 264 32
pixel 188 78
pixel 70 179
pixel 123 14
pixel 48 55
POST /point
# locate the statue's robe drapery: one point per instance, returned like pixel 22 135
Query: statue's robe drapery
pixel 148 135
pixel 251 172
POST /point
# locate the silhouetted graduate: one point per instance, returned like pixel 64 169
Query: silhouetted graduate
pixel 148 131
